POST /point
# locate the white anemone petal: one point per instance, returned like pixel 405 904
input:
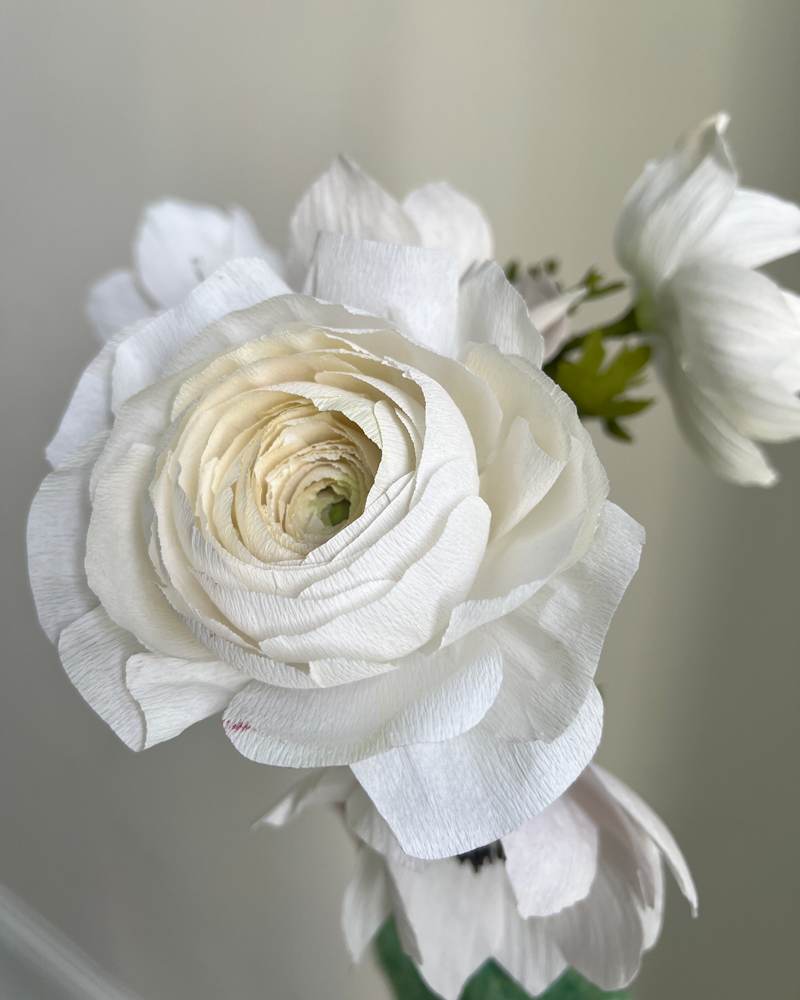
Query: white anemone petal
pixel 115 302
pixel 674 204
pixel 450 222
pixel 345 200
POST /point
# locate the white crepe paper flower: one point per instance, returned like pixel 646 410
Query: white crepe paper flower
pixel 729 344
pixel 373 536
pixel 178 244
pixel 580 884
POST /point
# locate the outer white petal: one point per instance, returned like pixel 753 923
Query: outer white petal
pixel 754 229
pixel 457 916
pixel 344 200
pixel 57 526
pixel 727 452
pixel 551 860
pixel 367 901
pixel 94 652
pixel 442 799
pixel 551 645
pixel 141 359
pixel 114 303
pixel 654 827
pixel 450 222
pixel 672 206
pixel 118 565
pixel 89 411
pixel 733 330
pixel 415 289
pixel 174 693
pixel 602 936
pixel 180 244
pixel 427 699
pixel 491 311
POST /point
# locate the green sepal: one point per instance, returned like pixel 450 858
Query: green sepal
pixel 490 982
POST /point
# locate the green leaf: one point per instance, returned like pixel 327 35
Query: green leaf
pixel 598 389
pixel 490 982
pixel 401 972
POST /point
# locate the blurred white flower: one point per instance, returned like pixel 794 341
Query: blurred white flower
pixel 580 884
pixel 728 344
pixel 366 534
pixel 178 244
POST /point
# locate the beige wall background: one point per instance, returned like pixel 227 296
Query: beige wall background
pixel 544 111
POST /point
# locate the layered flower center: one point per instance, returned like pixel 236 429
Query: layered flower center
pixel 305 474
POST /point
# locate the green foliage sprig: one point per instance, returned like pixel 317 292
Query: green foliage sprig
pixel 598 385
pixel 599 388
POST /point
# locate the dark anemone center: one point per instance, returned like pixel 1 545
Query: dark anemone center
pixel 483 855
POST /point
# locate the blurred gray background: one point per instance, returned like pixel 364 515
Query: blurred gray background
pixel 544 111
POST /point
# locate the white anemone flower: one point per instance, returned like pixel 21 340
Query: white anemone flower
pixel 373 534
pixel 580 884
pixel 727 338
pixel 178 244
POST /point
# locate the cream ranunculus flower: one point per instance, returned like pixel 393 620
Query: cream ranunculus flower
pixel 579 884
pixel 729 350
pixel 373 536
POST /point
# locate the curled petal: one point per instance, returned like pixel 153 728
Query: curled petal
pixel 674 204
pixel 755 229
pixel 57 526
pixel 173 693
pixel 442 799
pixel 94 652
pixel 491 311
pixel 427 700
pixel 345 200
pixel 180 244
pixel 450 222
